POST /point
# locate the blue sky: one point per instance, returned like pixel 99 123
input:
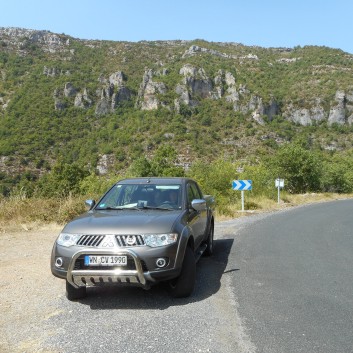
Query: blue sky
pixel 271 23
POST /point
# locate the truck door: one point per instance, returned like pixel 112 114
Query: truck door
pixel 197 219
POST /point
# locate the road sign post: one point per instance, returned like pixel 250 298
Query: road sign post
pixel 279 183
pixel 242 185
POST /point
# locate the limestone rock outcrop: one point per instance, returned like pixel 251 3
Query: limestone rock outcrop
pixel 69 90
pixel 82 100
pixel 105 163
pixel 338 112
pixel 305 116
pixel 18 37
pixel 197 81
pixel 341 111
pixel 122 94
pixel 112 93
pixel 149 89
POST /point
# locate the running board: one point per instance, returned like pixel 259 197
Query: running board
pixel 200 251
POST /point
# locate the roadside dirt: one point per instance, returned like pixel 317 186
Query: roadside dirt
pixel 27 287
pixel 36 317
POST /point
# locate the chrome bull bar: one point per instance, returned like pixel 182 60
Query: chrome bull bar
pixel 92 277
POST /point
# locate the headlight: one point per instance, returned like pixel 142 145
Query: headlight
pixel 66 239
pixel 155 240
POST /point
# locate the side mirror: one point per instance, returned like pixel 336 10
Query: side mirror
pixel 90 204
pixel 198 204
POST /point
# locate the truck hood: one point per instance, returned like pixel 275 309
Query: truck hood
pixel 123 222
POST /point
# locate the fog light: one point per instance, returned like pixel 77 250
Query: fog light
pixel 161 262
pixel 59 262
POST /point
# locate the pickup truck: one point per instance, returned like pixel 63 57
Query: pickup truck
pixel 143 231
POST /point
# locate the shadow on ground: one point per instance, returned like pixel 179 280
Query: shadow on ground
pixel 208 281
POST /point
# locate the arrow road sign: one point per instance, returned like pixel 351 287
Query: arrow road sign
pixel 242 184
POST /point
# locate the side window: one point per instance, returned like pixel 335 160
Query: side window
pixel 190 194
pixel 196 192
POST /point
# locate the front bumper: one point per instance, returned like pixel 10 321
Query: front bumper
pixel 92 277
pixel 136 274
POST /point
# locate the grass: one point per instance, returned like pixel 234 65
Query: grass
pixel 20 212
pixel 29 213
pixel 262 204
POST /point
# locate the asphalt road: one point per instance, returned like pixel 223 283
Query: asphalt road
pixel 294 287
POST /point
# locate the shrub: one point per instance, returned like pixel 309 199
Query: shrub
pixel 95 186
pixel 300 168
pixel 64 179
pixel 163 163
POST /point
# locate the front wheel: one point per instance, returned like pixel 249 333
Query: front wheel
pixel 73 293
pixel 183 285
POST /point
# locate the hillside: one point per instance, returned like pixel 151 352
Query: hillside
pixel 103 104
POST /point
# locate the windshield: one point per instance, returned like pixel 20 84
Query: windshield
pixel 142 196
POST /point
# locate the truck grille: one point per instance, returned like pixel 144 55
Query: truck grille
pixel 130 240
pixel 122 240
pixel 90 240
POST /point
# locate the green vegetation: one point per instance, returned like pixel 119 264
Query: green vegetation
pixel 54 153
pixel 303 171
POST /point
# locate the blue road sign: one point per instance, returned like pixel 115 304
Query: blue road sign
pixel 242 184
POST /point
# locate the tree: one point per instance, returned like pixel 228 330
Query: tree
pixel 62 180
pixel 141 167
pixel 337 174
pixel 216 179
pixel 300 168
pixel 164 162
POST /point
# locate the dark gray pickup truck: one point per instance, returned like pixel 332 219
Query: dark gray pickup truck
pixel 141 232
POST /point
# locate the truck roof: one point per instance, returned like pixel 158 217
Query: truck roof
pixel 155 180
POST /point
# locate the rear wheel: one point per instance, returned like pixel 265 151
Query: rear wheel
pixel 73 293
pixel 183 285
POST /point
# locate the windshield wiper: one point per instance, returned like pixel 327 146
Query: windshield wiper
pixel 117 208
pixel 107 208
pixel 158 208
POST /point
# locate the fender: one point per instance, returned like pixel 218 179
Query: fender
pixel 185 238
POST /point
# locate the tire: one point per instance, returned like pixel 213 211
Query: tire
pixel 209 241
pixel 183 285
pixel 73 293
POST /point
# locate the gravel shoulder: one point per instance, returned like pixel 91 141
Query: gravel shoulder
pixel 35 315
pixel 28 288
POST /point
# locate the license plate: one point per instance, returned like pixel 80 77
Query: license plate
pixel 105 260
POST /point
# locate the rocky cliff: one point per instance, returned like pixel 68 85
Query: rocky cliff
pixel 194 86
pixel 235 85
pixel 195 83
